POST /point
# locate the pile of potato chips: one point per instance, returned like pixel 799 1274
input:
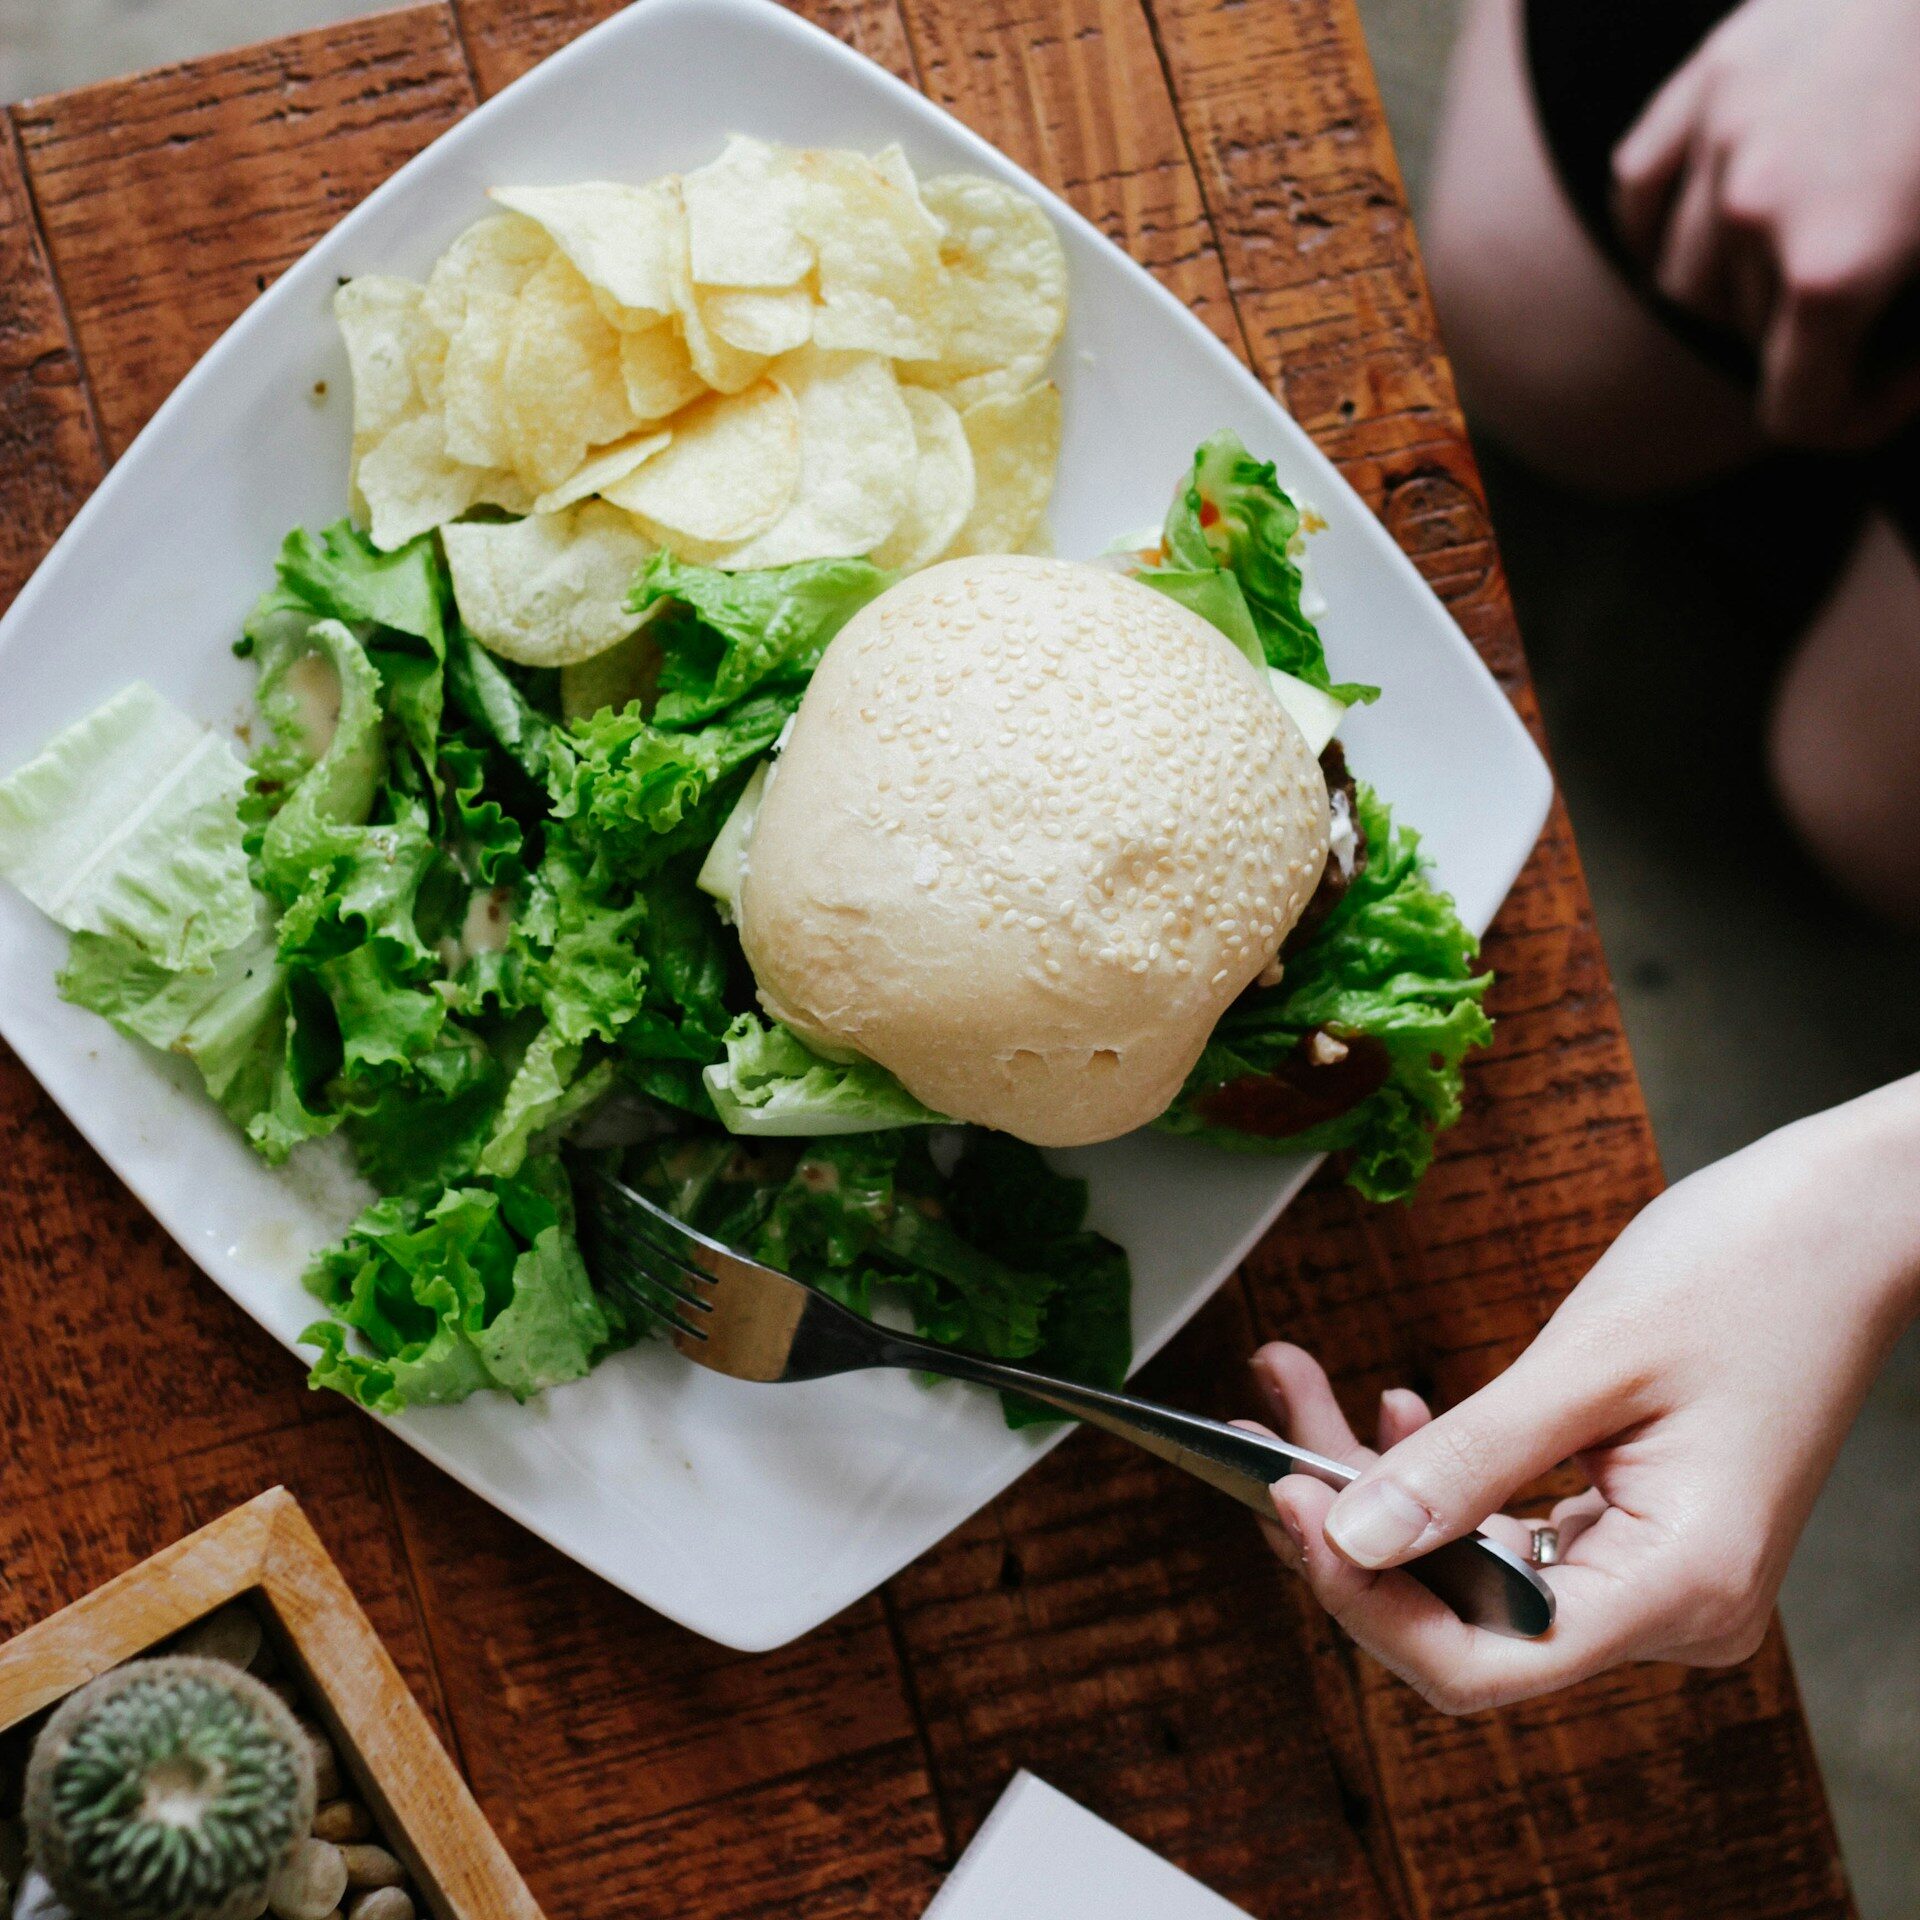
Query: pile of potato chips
pixel 786 355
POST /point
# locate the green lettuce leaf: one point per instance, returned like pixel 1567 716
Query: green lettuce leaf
pixel 1214 594
pixel 397 605
pixel 335 786
pixel 385 1018
pixel 687 954
pixel 490 839
pixel 355 882
pixel 993 1256
pixel 417 1133
pixel 555 1327
pixel 341 575
pixel 229 1019
pixel 494 704
pixel 772 1084
pixel 1231 515
pixel 1393 965
pixel 580 931
pixel 546 1092
pixel 127 825
pixel 1007 1199
pixel 641 794
pixel 748 628
pixel 484 1288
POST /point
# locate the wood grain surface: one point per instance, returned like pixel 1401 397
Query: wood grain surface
pixel 1118 1630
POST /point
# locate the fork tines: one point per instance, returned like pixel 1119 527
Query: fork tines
pixel 628 1239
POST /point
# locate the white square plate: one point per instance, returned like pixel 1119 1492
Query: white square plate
pixel 751 1515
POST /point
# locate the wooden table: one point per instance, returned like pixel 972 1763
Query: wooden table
pixel 1106 1624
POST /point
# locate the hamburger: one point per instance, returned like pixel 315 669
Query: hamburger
pixel 1035 829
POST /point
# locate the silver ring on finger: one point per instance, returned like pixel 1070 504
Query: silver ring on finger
pixel 1543 1545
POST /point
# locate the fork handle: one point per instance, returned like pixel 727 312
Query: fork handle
pixel 1485 1583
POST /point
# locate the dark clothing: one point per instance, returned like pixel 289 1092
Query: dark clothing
pixel 1593 68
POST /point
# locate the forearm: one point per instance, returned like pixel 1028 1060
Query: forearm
pixel 1861 1183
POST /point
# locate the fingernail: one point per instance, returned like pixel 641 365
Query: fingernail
pixel 1375 1523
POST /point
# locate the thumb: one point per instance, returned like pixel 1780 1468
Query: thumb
pixel 1443 1480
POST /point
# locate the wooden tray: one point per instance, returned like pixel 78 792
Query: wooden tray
pixel 267 1553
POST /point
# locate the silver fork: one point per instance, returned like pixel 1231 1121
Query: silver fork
pixel 752 1322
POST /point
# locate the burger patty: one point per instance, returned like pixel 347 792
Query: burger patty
pixel 1322 1078
pixel 1328 1073
pixel 1347 856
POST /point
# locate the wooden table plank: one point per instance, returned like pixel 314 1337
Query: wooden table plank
pixel 506 37
pixel 1115 1628
pixel 1123 1633
pixel 647 1741
pixel 50 456
pixel 1072 90
pixel 171 200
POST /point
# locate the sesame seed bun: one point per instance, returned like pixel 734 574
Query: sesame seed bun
pixel 1035 828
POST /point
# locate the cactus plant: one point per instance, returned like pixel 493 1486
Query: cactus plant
pixel 169 1789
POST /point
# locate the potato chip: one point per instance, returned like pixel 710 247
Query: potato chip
pixel 473 375
pixel 381 324
pixel 497 255
pixel 729 474
pixel 1016 445
pixel 626 671
pixel 1006 298
pixel 602 468
pixel 623 240
pixel 756 322
pixel 744 218
pixel 411 485
pixel 659 375
pixel 891 163
pixel 496 487
pixel 941 494
pixel 379 315
pixel 429 357
pixel 880 277
pixel 548 589
pixel 719 364
pixel 857 453
pixel 563 388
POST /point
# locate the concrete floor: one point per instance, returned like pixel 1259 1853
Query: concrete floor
pixel 1750 995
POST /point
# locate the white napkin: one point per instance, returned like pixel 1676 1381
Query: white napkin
pixel 1045 1857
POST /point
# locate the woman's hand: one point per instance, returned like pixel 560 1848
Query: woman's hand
pixel 1773 185
pixel 1703 1375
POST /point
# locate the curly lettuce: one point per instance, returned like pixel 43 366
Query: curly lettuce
pixel 1393 967
pixel 1231 550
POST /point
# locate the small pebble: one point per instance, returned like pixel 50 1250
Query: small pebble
pixel 326 1763
pixel 312 1883
pixel 339 1820
pixel 266 1663
pixel 383 1903
pixel 233 1635
pixel 372 1867
pixel 38 1901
